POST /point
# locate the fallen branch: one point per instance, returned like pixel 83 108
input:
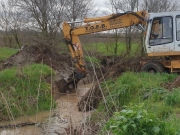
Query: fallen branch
pixel 18 125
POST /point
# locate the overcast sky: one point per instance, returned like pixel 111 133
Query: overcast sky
pixel 100 2
pixel 101 5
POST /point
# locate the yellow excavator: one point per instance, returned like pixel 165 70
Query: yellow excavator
pixel 162 39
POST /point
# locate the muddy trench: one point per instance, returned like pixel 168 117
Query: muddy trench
pixel 64 119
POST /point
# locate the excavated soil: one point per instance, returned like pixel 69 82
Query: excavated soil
pixel 39 54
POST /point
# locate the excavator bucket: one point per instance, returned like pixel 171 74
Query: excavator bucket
pixel 65 86
pixel 61 84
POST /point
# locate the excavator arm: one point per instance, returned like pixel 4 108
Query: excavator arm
pixel 93 25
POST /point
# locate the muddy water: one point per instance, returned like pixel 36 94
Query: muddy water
pixel 28 130
pixel 64 115
pixel 67 105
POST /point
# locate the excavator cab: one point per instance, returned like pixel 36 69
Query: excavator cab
pixel 162 33
pixel 163 40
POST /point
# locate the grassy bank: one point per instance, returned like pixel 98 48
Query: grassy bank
pixel 137 103
pixel 24 91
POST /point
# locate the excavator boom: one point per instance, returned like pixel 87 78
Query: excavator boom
pixel 93 25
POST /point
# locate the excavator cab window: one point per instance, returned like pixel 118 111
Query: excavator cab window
pixel 178 28
pixel 161 31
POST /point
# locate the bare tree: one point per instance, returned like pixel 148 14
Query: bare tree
pixel 79 9
pixel 124 6
pixel 159 5
pixel 11 21
pixel 115 9
pixel 44 16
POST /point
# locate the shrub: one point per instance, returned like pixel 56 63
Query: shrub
pixel 134 120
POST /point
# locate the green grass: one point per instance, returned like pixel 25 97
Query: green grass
pixel 173 98
pixel 108 49
pixel 92 59
pixel 141 88
pixel 22 90
pixel 6 52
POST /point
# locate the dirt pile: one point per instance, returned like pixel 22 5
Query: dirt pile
pixel 39 54
pixel 121 65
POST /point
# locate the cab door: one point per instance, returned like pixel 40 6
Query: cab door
pixel 177 31
pixel 161 35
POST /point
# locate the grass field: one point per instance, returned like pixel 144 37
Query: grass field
pixel 108 49
pixel 6 52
